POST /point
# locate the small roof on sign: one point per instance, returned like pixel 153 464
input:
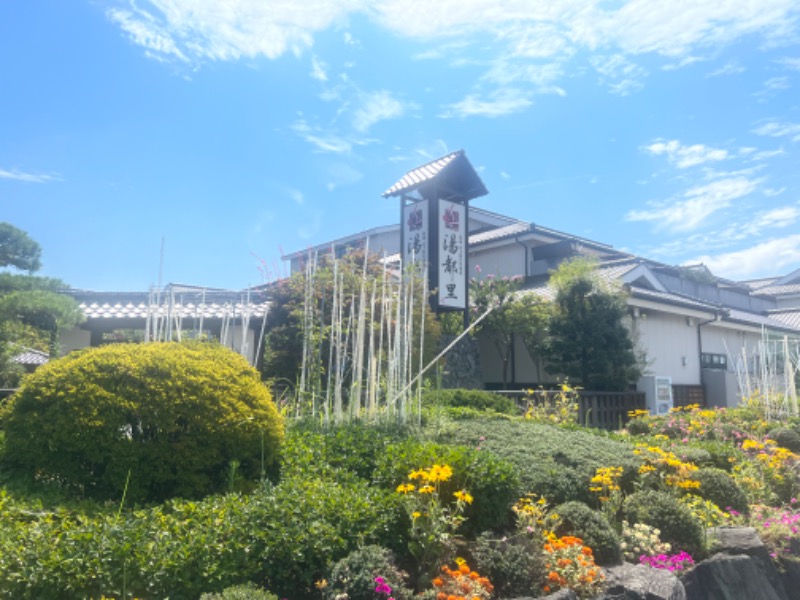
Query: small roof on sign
pixel 449 177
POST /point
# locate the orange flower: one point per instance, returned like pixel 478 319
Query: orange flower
pixel 464 569
pixel 545 588
pixel 587 551
pixel 553 576
pixel 438 582
pixel 441 596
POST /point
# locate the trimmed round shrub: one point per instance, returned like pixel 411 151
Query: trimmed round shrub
pixel 152 421
pixel 786 438
pixel 355 575
pixel 479 400
pixel 664 511
pixel 593 528
pixel 722 455
pixel 720 488
pixel 514 565
pixel 491 481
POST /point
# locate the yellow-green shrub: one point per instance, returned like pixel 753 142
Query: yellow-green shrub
pixel 177 417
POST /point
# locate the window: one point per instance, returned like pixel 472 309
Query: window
pixel 714 361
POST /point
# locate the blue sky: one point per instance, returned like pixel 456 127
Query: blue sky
pixel 237 129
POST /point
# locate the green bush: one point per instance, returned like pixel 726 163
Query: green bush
pixel 593 528
pixel 639 427
pixel 286 538
pixel 353 448
pixel 786 438
pixel 719 487
pixel 479 400
pixel 514 565
pixel 247 591
pixel 550 461
pixel 492 481
pixel 355 575
pixel 662 510
pixel 162 419
pixel 723 455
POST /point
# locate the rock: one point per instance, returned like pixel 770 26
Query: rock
pixel 790 575
pixel 640 582
pixel 731 577
pixel 744 540
pixel 463 364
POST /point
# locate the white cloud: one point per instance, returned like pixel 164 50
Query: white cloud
pixel 143 30
pixel 684 62
pixel 791 63
pixel 232 29
pixel 376 107
pixel 323 142
pixel 766 258
pixel 505 175
pixel 772 192
pixel 28 177
pixel 500 103
pixel 622 76
pixel 778 129
pixel 686 156
pixel 730 68
pixel 318 69
pixel 766 154
pixel 297 197
pixel 697 205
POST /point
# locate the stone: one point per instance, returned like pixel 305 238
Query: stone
pixel 744 540
pixel 731 577
pixel 640 582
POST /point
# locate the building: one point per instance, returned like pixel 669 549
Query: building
pixel 709 336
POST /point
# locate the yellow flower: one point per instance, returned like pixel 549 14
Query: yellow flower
pixel 464 496
pixel 404 488
pixel 416 514
pixel 426 489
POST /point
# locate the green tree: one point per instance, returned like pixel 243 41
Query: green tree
pixel 33 311
pixel 18 250
pixel 588 341
pixel 514 313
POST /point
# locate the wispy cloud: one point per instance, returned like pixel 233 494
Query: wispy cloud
pixel 143 30
pixel 229 30
pixel 791 62
pixel 375 107
pixel 28 177
pixel 323 142
pixel 318 69
pixel 765 258
pixel 500 103
pixel 696 205
pixel 730 68
pixel 621 75
pixel 779 129
pixel 686 156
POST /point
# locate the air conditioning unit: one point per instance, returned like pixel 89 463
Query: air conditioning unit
pixel 658 393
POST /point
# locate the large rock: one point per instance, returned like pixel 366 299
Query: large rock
pixel 640 582
pixel 745 541
pixel 731 577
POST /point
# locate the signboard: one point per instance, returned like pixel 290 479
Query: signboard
pixel 452 255
pixel 415 233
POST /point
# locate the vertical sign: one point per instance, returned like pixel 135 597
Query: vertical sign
pixel 452 255
pixel 415 233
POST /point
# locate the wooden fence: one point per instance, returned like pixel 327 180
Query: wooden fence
pixel 605 410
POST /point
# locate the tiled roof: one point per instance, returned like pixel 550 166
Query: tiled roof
pixel 790 318
pixel 185 302
pixel 421 174
pixel 672 298
pixel 755 284
pixel 498 233
pixel 31 357
pixel 778 290
pixel 416 178
pixel 748 318
pixel 189 310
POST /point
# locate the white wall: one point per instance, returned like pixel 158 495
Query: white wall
pixel 669 343
pixel 501 261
